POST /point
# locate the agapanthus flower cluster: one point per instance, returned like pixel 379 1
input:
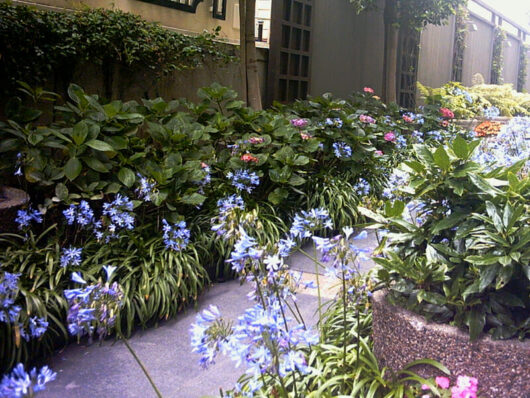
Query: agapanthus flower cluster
pixel 9 312
pixel 306 223
pixel 417 136
pixel 362 187
pixel 244 180
pixel 491 112
pixel 226 224
pixel 93 308
pixel 260 340
pixel 36 328
pixel 435 135
pixel 396 181
pixel 246 252
pixel 335 122
pixel 147 188
pixel 82 214
pixel 401 142
pixel 464 93
pixel 18 165
pixel 508 147
pixel 25 217
pixel 342 150
pixel 119 214
pixel 340 254
pixel 71 256
pixel 176 237
pixel 20 384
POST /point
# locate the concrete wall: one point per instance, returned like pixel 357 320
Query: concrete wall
pixel 137 85
pixel 478 51
pixel 435 64
pixel 347 49
pixel 179 20
pixel 510 70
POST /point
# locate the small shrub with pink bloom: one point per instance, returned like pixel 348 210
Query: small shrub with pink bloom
pixel 390 136
pixel 447 113
pixel 300 123
pixel 465 387
pixel 367 119
pixel 368 90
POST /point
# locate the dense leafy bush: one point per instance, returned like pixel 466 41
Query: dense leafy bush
pixel 175 161
pixel 38 43
pixel 476 101
pixel 459 252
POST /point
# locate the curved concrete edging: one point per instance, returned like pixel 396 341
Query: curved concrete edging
pixel 14 199
pixel 400 336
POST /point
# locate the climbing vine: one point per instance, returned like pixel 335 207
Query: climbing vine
pixel 460 43
pixel 497 58
pixel 523 63
pixel 39 44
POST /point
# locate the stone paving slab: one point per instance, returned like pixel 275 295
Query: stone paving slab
pixel 109 371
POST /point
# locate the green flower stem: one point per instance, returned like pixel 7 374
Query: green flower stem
pixel 133 353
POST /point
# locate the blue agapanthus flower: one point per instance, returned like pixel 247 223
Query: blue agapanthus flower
pixel 82 214
pixel 71 256
pixel 362 187
pixel 491 112
pixel 25 217
pixel 176 237
pixel 245 251
pixel 342 150
pixel 306 223
pixel 147 188
pixel 244 180
pixel 19 383
pixel 9 312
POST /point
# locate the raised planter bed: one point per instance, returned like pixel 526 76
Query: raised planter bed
pixel 400 336
pixel 11 199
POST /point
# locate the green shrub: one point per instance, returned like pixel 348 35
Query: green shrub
pixel 459 251
pixel 38 44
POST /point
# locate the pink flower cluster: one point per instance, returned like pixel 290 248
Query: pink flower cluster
pixel 447 113
pixel 390 136
pixel 300 123
pixel 256 140
pixel 408 119
pixel 466 387
pixel 366 119
pixel 368 90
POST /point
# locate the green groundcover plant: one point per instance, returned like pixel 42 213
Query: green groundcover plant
pixel 117 183
pixel 459 250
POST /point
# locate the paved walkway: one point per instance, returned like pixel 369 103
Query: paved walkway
pixel 109 371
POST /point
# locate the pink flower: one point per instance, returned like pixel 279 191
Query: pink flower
pixel 458 392
pixel 443 382
pixel 368 90
pixel 425 387
pixel 444 123
pixel 390 136
pixel 366 119
pixel 408 119
pixel 379 153
pixel 255 140
pixel 471 383
pixel 247 157
pixel 203 165
pixel 299 123
pixel 305 136
pixel 426 396
pixel 447 113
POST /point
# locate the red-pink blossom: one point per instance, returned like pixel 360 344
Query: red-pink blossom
pixel 368 90
pixel 443 382
pixel 366 119
pixel 300 123
pixel 390 136
pixel 305 136
pixel 247 157
pixel 379 153
pixel 408 119
pixel 447 113
pixel 256 140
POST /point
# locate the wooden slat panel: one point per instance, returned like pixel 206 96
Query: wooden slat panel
pixel 478 51
pixel 511 61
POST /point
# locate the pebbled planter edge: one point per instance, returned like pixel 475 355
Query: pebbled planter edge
pixel 400 336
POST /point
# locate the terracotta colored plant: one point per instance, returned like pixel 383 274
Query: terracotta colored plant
pixel 488 128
